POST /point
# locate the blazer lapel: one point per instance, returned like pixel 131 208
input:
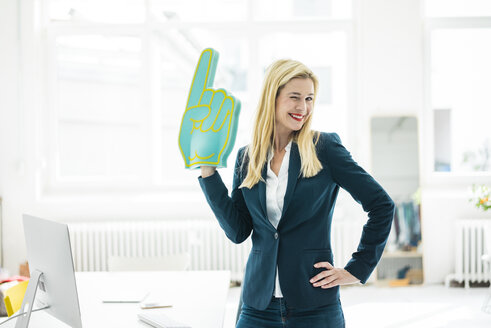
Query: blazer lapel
pixel 293 174
pixel 262 190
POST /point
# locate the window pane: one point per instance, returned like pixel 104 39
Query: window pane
pixel 100 11
pixel 455 8
pixel 99 78
pixel 300 9
pixel 199 11
pixel 330 67
pixel 100 151
pixel 460 80
pixel 99 105
pixel 178 62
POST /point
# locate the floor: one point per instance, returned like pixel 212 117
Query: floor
pixel 402 307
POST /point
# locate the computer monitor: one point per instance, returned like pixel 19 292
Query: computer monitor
pixel 52 280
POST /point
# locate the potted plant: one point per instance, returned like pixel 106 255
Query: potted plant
pixel 481 197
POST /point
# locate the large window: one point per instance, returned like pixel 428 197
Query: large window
pixel 459 50
pixel 99 107
pixel 119 73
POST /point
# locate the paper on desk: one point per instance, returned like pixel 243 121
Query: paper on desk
pixel 156 300
pixel 124 296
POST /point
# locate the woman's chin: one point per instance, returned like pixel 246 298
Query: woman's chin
pixel 297 127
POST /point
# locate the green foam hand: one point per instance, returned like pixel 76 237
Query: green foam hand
pixel 209 124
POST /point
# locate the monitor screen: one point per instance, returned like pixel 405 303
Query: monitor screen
pixel 49 251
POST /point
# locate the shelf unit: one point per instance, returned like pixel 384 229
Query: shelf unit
pixel 393 264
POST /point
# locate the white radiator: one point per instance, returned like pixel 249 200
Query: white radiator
pixel 473 239
pixel 94 242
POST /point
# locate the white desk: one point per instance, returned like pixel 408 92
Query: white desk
pixel 198 298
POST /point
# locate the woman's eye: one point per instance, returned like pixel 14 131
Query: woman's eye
pixel 294 98
pixel 309 98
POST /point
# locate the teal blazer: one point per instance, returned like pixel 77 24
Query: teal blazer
pixel 303 236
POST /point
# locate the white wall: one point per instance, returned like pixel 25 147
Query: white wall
pixel 8 110
pixel 389 82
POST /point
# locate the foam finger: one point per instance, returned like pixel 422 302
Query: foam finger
pixel 224 115
pixel 204 76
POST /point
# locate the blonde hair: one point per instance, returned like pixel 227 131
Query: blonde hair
pixel 277 75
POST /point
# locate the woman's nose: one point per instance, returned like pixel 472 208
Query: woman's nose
pixel 302 106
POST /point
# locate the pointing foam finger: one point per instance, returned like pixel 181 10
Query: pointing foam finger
pixel 204 76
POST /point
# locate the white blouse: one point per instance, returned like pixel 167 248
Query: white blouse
pixel 275 196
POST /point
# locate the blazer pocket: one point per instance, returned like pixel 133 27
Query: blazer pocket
pixel 312 256
pixel 253 266
pixel 316 250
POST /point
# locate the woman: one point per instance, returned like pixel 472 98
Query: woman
pixel 284 189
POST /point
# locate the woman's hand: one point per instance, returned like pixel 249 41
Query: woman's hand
pixel 206 171
pixel 332 276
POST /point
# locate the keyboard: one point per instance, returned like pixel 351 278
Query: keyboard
pixel 160 320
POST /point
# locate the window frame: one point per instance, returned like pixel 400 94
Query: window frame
pixel 435 178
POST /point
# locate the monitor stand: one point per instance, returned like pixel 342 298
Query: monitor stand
pixel 28 302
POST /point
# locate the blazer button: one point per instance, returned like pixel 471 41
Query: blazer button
pixel 275 235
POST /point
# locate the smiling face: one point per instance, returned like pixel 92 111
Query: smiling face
pixel 294 104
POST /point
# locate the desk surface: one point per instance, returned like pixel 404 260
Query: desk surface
pixel 198 298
